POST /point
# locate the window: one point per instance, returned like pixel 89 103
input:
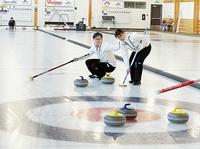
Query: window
pixel 136 5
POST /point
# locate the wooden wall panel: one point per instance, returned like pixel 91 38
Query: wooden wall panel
pixel 176 14
pixel 199 27
pixel 187 0
pixel 90 15
pixel 186 26
pixel 196 16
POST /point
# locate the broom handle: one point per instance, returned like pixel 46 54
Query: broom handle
pixel 187 83
pixel 58 66
pixel 130 67
pixel 125 78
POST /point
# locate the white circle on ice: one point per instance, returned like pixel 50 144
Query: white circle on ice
pixel 59 115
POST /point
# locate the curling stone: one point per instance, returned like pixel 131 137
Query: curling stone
pixel 108 79
pixel 81 82
pixel 129 113
pixel 178 115
pixel 115 119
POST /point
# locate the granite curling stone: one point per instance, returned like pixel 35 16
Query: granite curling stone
pixel 81 82
pixel 129 113
pixel 178 116
pixel 114 119
pixel 108 79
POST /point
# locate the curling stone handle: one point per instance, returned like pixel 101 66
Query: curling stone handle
pixel 178 108
pixel 115 114
pixel 126 106
pixel 81 77
pixel 108 75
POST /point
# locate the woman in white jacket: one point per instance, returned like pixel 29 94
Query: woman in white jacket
pixel 139 44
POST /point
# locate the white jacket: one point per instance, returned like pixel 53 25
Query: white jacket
pixel 134 42
pixel 104 52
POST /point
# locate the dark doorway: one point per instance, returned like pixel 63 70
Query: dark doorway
pixel 156 16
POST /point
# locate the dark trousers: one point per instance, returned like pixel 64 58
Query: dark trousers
pixel 11 27
pixel 11 24
pixel 99 68
pixel 137 65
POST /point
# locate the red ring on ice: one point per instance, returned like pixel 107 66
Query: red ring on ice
pixel 96 115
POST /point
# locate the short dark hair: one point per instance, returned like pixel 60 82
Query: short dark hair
pixel 118 32
pixel 97 34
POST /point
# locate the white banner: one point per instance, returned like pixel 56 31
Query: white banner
pixel 59 14
pixel 60 3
